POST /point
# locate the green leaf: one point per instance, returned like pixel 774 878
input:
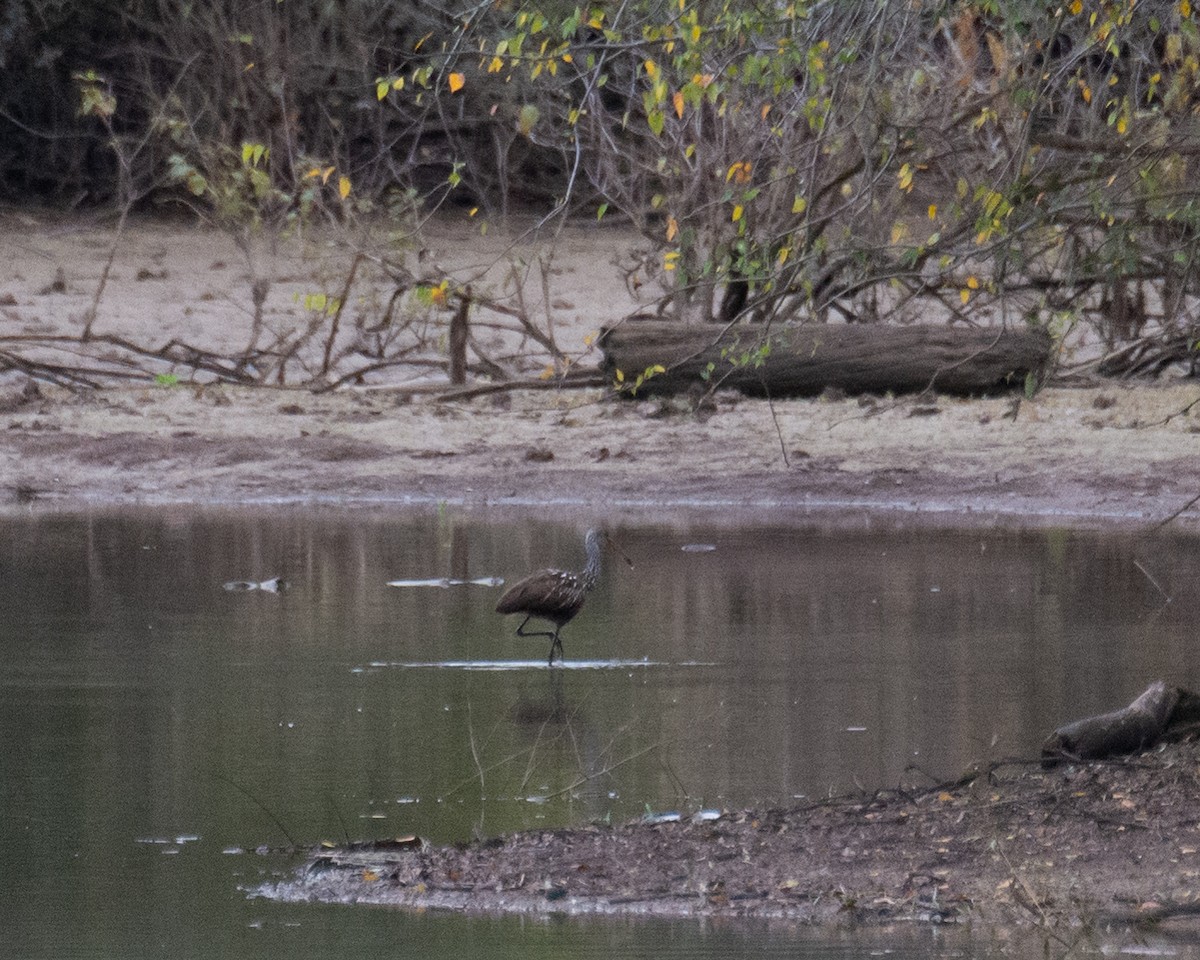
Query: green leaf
pixel 527 118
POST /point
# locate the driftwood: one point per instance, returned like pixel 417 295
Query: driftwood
pixel 1160 713
pixel 805 360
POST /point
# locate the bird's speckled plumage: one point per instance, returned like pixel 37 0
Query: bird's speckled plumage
pixel 554 595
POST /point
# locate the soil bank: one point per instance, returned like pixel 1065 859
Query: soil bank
pixel 1101 844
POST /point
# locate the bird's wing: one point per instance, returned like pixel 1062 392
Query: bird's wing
pixel 547 593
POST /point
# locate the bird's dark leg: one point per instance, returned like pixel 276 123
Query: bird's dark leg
pixel 536 633
pixel 555 644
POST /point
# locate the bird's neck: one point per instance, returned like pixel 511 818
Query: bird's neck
pixel 591 573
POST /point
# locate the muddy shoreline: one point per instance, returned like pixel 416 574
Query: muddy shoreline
pixel 1103 845
pixel 1059 463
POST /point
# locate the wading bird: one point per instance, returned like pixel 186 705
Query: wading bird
pixel 555 595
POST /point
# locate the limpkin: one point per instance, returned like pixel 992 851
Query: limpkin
pixel 554 595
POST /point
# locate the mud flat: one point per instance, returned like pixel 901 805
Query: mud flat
pixel 1100 845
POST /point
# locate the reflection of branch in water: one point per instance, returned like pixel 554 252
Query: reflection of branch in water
pixel 1149 576
pixel 258 803
pixel 532 754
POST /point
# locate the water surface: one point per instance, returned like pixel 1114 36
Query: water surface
pixel 158 729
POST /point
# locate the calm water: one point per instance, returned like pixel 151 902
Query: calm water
pixel 156 729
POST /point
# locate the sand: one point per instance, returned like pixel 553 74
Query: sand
pixel 1110 453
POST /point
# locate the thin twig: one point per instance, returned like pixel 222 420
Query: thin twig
pixel 337 315
pixel 1162 523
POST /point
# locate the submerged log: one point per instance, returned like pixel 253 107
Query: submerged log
pixel 1160 713
pixel 805 360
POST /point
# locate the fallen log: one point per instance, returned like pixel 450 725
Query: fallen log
pixel 655 357
pixel 1159 713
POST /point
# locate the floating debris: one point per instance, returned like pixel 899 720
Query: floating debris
pixel 274 585
pixel 449 582
pixel 698 547
pixel 653 819
pixel 169 841
pixel 706 816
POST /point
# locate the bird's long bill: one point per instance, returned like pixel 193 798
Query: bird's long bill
pixel 613 543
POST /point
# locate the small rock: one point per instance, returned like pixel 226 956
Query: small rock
pixel 16 399
pixel 57 285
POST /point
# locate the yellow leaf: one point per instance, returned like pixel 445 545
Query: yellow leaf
pixel 737 212
pixel 1086 92
pixel 343 187
pixel 933 211
pixel 313 173
pixel 782 256
pixel 547 372
pixel 973 282
pixel 326 174
pixel 899 232
pixel 1122 124
pixel 703 80
pixel 739 171
pixel 620 376
pixel 597 20
pixel 651 69
pixel 369 876
pixel 496 65
pixel 766 108
pixel 945 797
pixel 456 81
pixel 472 211
pixel 398 83
pixel 672 228
pixel 799 205
pixel 381 89
pixel 677 100
pixel 1185 8
pixel 964 295
pixel 1076 7
pixel 905 177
